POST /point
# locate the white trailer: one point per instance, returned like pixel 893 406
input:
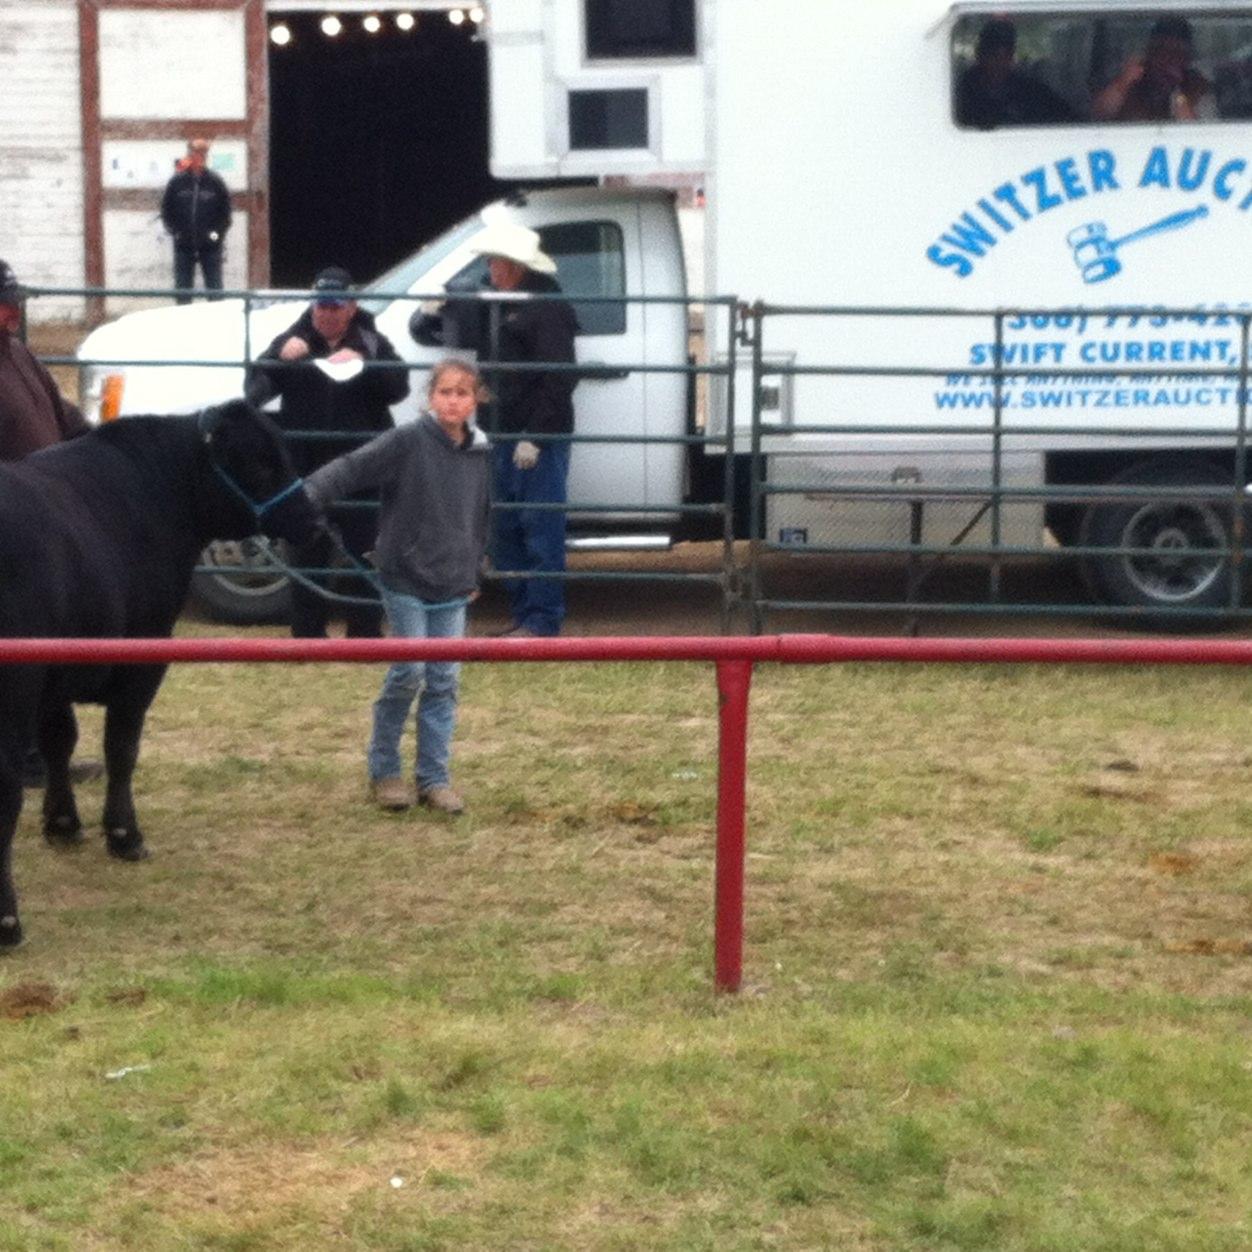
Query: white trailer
pixel 848 160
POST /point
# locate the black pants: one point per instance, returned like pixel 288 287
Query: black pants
pixel 185 260
pixel 310 612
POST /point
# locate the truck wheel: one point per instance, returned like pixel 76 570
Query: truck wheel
pixel 247 586
pixel 1166 577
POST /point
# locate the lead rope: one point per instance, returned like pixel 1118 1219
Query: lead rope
pixel 368 572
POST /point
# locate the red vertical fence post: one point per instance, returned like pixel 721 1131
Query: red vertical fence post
pixel 734 678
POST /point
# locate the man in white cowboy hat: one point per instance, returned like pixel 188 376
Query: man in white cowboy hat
pixel 529 402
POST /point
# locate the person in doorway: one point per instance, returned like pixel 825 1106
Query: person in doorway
pixel 196 211
pixel 527 542
pixel 318 367
pixel 432 535
pixel 995 92
pixel 33 415
pixel 1162 85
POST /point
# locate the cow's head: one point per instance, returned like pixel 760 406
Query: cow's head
pixel 254 470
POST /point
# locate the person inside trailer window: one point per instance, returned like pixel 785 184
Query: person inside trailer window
pixel 1160 86
pixel 995 92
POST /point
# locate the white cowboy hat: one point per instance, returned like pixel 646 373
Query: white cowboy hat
pixel 514 242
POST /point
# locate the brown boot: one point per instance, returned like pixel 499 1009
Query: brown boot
pixel 392 794
pixel 442 798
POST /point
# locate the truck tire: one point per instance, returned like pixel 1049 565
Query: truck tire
pixel 1161 580
pixel 247 587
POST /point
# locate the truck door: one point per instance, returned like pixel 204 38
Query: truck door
pixel 600 256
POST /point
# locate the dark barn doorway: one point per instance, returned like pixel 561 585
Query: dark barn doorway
pixel 377 141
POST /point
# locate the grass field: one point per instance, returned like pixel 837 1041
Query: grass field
pixel 998 973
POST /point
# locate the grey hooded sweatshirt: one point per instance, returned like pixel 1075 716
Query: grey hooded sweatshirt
pixel 433 526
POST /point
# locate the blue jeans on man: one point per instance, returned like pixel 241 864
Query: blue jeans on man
pixel 432 683
pixel 531 540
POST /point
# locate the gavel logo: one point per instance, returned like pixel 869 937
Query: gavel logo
pixel 1096 254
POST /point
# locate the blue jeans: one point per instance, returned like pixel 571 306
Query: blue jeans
pixel 436 681
pixel 210 259
pixel 532 539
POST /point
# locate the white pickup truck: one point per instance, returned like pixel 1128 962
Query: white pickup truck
pixel 605 244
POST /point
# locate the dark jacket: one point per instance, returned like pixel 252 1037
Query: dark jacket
pixel 311 401
pixel 196 209
pixel 33 413
pixel 537 401
pixel 1018 101
pixel 433 526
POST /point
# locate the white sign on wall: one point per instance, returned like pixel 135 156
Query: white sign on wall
pixel 150 162
pixel 163 64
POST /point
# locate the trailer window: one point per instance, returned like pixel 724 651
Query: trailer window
pixel 601 120
pixel 639 29
pixel 1041 69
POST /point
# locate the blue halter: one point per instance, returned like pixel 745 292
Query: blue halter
pixel 259 510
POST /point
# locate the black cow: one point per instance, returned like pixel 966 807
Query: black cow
pixel 99 537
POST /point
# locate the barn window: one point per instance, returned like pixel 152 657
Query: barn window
pixel 639 29
pixel 1021 68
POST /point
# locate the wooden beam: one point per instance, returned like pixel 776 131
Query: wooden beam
pixel 258 113
pixel 173 128
pixel 93 173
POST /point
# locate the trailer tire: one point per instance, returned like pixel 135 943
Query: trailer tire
pixel 1161 580
pixel 246 587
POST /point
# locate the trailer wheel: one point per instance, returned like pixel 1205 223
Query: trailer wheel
pixel 1167 577
pixel 246 587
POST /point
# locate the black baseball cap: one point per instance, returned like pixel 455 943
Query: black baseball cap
pixel 333 286
pixel 11 291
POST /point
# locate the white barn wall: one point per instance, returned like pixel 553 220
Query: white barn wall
pixel 157 65
pixel 138 255
pixel 41 157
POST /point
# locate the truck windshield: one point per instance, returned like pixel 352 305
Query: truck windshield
pixel 400 278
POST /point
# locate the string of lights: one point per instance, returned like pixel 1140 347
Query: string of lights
pixel 404 21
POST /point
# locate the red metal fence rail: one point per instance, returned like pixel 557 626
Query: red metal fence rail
pixel 734 658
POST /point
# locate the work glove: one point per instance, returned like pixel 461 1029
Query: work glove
pixel 526 454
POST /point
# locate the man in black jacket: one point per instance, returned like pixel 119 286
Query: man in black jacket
pixel 319 366
pixel 196 211
pixel 994 92
pixel 529 402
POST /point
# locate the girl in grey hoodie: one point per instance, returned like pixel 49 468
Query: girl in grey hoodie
pixel 432 476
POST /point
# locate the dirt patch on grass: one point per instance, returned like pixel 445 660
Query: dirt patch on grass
pixel 29 999
pixel 320 1180
pixel 1204 946
pixel 1173 864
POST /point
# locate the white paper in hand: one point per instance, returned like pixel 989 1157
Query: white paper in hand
pixel 340 371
